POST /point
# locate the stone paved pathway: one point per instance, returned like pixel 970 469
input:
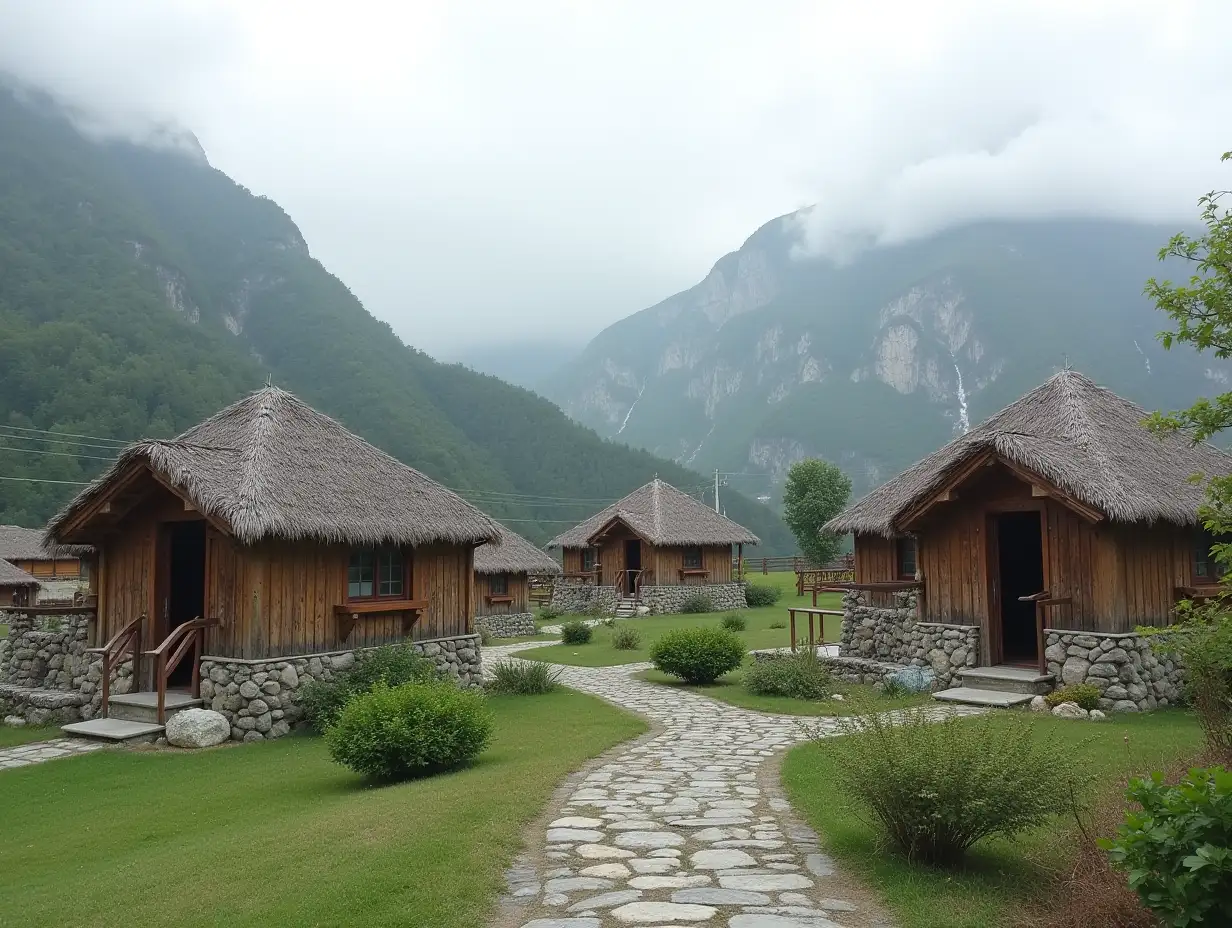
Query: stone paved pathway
pixel 38 751
pixel 677 830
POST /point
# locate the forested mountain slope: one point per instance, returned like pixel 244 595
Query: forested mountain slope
pixel 141 290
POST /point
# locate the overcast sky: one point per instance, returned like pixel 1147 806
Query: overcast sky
pixel 478 170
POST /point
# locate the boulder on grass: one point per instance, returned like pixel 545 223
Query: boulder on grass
pixel 198 728
pixel 1039 704
pixel 913 679
pixel 1070 710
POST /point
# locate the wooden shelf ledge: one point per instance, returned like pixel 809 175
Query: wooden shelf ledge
pixel 498 598
pixel 348 614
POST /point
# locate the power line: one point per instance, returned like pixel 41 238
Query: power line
pixel 59 441
pixel 20 428
pixel 67 454
pixel 76 483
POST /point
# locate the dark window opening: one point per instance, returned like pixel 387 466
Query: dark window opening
pixel 588 559
pixel 693 558
pixel 377 573
pixel 1206 570
pixel 498 584
pixel 906 557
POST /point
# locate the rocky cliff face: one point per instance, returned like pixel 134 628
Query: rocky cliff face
pixel 774 357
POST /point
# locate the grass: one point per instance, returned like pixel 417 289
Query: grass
pixel 276 833
pixel 600 653
pixel 11 737
pixel 730 689
pixel 1002 879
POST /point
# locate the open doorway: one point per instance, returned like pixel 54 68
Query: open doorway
pixel 633 562
pixel 185 584
pixel 1020 560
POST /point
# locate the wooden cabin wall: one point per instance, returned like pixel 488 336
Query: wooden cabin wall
pixel 572 560
pixel 1149 563
pixel 519 589
pixel 126 578
pixel 61 568
pixel 668 561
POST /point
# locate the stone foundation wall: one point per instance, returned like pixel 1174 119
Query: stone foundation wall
pixel 848 669
pixel 575 597
pixel 514 625
pixel 1127 671
pixel 261 699
pixel 664 599
pixel 892 635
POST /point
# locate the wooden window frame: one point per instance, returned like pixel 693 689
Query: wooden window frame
pixel 498 584
pixel 1204 541
pixel 685 559
pixel 900 544
pixel 376 595
pixel 594 558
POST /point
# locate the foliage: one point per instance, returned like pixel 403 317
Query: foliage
pixel 816 491
pixel 1178 849
pixel 734 622
pixel 698 655
pixel 575 632
pixel 522 678
pixel 778 624
pixel 936 787
pixel 1086 695
pixel 485 635
pixel 395 733
pixel 1202 643
pixel 626 638
pixel 550 613
pixel 761 594
pixel 595 610
pixel 799 675
pixel 609 622
pixel 392 665
pixel 696 603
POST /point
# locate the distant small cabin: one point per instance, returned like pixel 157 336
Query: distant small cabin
pixel 278 535
pixel 653 547
pixel 502 583
pixel 17 588
pixel 1059 515
pixel 61 571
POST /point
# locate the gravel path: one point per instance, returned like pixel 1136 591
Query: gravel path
pixel 35 752
pixel 679 829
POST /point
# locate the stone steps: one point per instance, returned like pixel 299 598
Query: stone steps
pixel 143 707
pixel 1024 680
pixel 970 696
pixel 114 730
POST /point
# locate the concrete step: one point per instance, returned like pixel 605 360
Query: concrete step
pixel 143 707
pixel 970 696
pixel 116 730
pixel 1026 680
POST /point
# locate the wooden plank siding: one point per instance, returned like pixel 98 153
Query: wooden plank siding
pixel 61 568
pixel 519 589
pixel 663 562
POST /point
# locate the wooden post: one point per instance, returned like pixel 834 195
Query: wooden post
pixel 740 560
pixel 812 647
pixel 792 614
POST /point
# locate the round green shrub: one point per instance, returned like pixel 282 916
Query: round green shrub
pixel 734 622
pixel 394 733
pixel 392 664
pixel 575 632
pixel 761 594
pixel 626 638
pixel 800 676
pixel 549 613
pixel 697 655
pixel 1085 695
pixel 696 603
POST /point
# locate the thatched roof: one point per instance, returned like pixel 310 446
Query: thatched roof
pixel 1083 439
pixel 270 466
pixel 514 555
pixel 26 544
pixel 14 576
pixel 661 515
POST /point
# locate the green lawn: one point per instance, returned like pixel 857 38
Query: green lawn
pixel 600 653
pixel 276 833
pixel 14 736
pixel 730 689
pixel 1002 878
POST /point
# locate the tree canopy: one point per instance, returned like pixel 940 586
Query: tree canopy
pixel 816 491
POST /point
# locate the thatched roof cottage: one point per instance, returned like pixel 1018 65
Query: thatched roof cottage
pixel 289 535
pixel 654 546
pixel 61 570
pixel 1062 506
pixel 502 583
pixel 17 588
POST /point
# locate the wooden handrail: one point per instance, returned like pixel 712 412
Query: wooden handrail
pixel 638 576
pixel 1043 599
pixel 121 641
pixel 190 634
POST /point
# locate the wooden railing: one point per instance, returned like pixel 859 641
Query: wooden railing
pixel 623 582
pixel 817 578
pixel 129 637
pixel 1043 600
pixel 540 590
pixel 168 655
pixel 782 563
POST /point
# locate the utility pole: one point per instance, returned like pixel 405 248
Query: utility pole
pixel 716 489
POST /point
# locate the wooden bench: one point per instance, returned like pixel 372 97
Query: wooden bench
pixel 820 613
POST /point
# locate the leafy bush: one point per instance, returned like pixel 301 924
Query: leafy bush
pixel 595 610
pixel 1084 694
pixel 777 625
pixel 393 733
pixel 392 665
pixel 609 622
pixel 575 632
pixel 697 655
pixel 761 594
pixel 549 613
pixel 937 787
pixel 697 602
pixel 799 675
pixel 523 678
pixel 1202 643
pixel 734 622
pixel 626 638
pixel 485 635
pixel 1178 849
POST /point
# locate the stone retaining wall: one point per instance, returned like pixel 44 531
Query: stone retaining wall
pixel 576 597
pixel 892 635
pixel 848 669
pixel 1124 667
pixel 514 625
pixel 261 699
pixel 665 599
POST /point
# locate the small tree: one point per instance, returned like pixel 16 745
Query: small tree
pixel 815 493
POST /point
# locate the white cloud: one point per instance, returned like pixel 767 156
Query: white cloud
pixel 476 169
